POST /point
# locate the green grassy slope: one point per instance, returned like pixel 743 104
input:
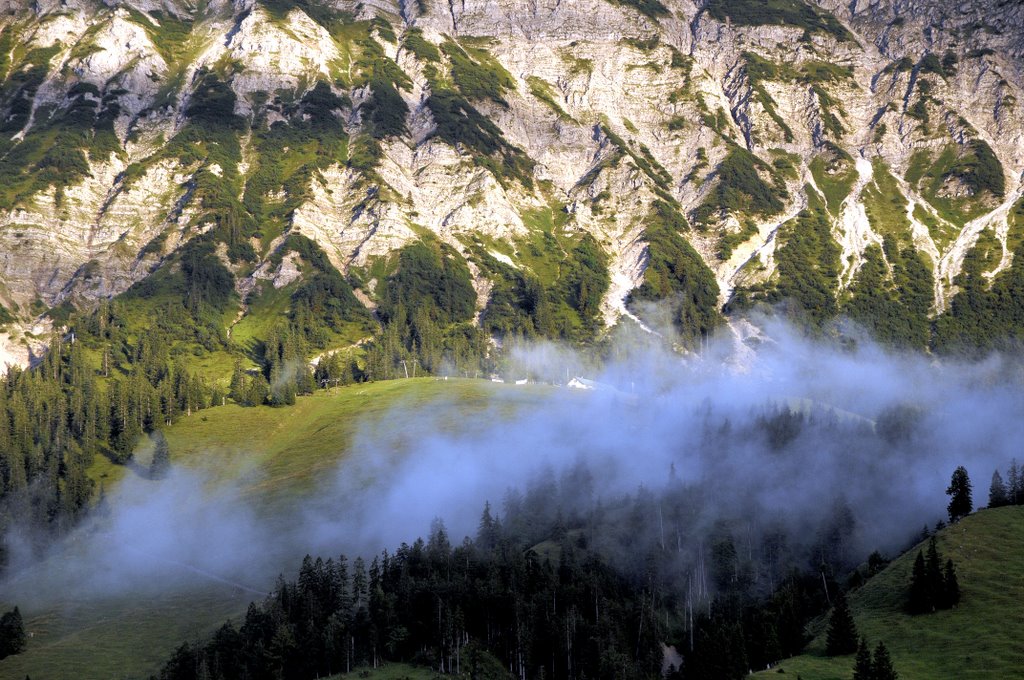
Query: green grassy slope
pixel 122 637
pixel 277 453
pixel 982 638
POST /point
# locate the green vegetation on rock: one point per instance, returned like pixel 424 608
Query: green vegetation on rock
pixel 556 291
pixel 477 74
pixel 424 50
pixel 793 13
pixel 459 123
pixel 55 151
pixel 807 277
pixel 545 92
pixel 741 191
pixel 677 274
pixel 885 204
pixel 894 308
pixel 815 74
pixel 289 153
pixel 834 174
pixel 653 9
pixel 961 182
pixel 985 314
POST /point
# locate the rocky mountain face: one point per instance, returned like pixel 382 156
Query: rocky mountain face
pixel 862 158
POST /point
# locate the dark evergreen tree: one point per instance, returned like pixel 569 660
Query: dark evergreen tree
pixel 919 600
pixel 862 665
pixel 959 491
pixel 842 631
pixel 951 587
pixel 881 665
pixel 487 534
pixel 933 575
pixel 161 463
pixel 1015 484
pixel 997 496
pixel 12 633
pixel 236 390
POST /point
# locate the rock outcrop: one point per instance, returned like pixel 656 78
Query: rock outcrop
pixel 606 114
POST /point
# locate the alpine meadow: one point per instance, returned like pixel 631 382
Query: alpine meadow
pixel 511 339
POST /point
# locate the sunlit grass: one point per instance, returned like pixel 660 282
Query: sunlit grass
pixel 277 455
pixel 982 638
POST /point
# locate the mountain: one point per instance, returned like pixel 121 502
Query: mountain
pixel 549 165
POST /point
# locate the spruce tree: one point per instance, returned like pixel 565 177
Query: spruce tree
pixel 161 462
pixel 237 388
pixel 862 666
pixel 881 666
pixel 1013 483
pixel 842 631
pixel 951 589
pixel 487 534
pixel 997 491
pixel 933 576
pixel 12 633
pixel 959 491
pixel 917 602
pixel 1016 492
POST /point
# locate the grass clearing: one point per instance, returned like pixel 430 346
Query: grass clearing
pixel 283 451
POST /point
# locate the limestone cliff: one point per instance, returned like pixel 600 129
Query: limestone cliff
pixel 893 126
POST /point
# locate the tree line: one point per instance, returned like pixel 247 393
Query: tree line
pixel 561 584
pixel 489 607
pixel 1009 492
pixel 542 591
pixel 77 404
pixel 932 587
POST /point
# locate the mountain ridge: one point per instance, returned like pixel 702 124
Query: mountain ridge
pixel 870 148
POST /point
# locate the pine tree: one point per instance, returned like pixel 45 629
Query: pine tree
pixel 842 631
pixel 951 589
pixel 862 666
pixel 881 666
pixel 918 601
pixel 959 491
pixel 237 389
pixel 997 491
pixel 1015 492
pixel 161 462
pixel 933 575
pixel 1013 483
pixel 12 633
pixel 487 535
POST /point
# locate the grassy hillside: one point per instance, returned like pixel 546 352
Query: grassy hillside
pixel 281 451
pixel 118 637
pixel 982 638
